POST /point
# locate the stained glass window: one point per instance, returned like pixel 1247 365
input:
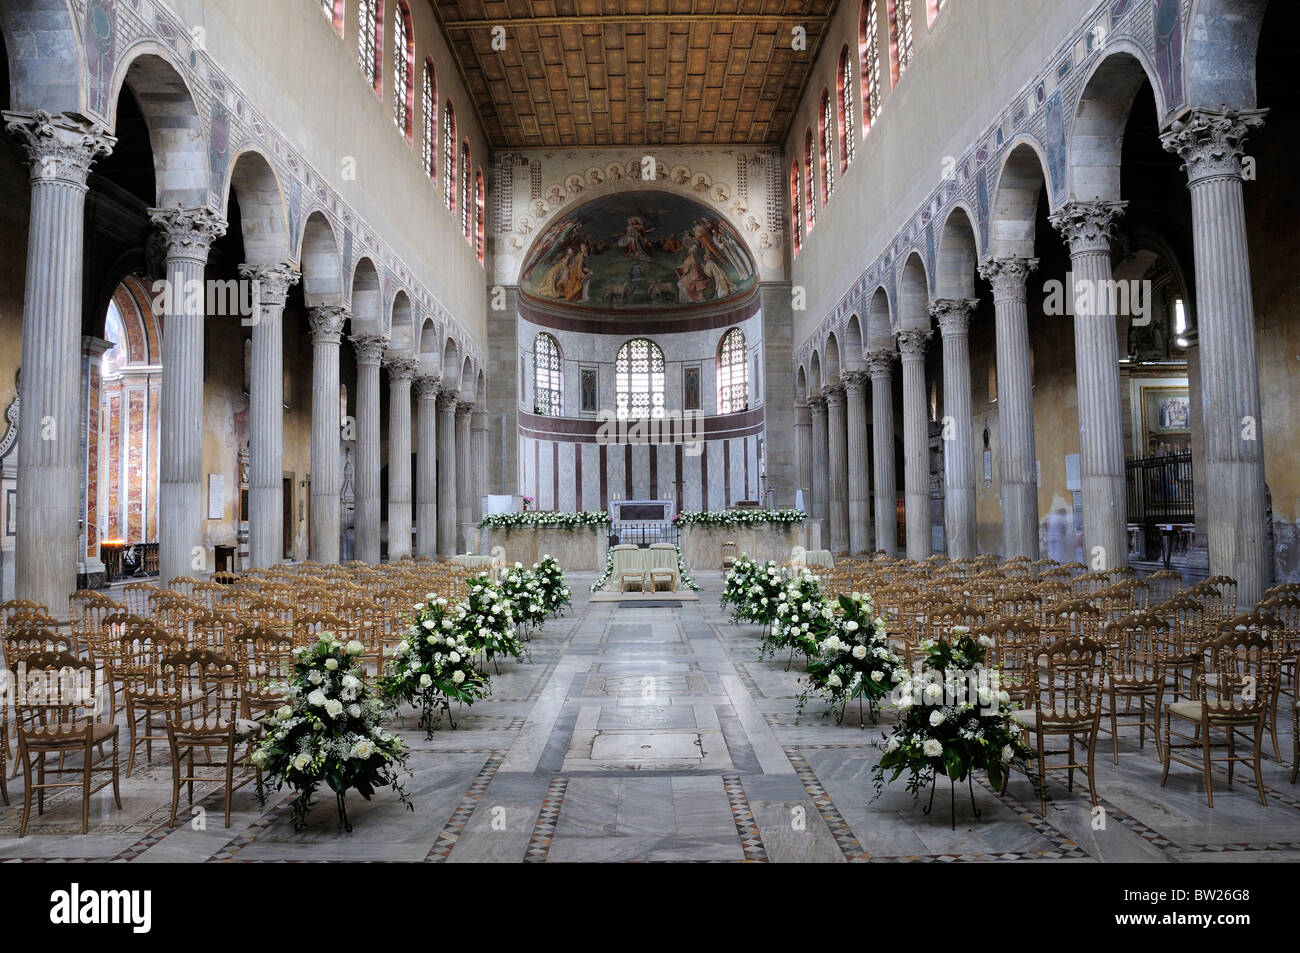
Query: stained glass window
pixel 429 108
pixel 827 121
pixel 639 380
pixel 733 373
pixel 370 55
pixel 449 159
pixel 548 377
pixel 796 211
pixel 810 177
pixel 869 54
pixel 403 67
pixel 466 214
pixel 848 132
pixel 478 214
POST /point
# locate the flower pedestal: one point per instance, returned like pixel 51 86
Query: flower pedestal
pixel 952 787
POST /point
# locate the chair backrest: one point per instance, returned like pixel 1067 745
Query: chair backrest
pixel 202 674
pixel 1139 644
pixel 49 688
pixel 135 595
pixel 265 656
pixel 1285 608
pixel 1069 679
pixel 21 643
pixel 1243 664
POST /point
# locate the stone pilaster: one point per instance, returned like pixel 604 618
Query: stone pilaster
pixel 953 315
pixel 856 384
pixel 60 150
pixel 466 485
pixel 401 369
pixel 838 457
pixel 447 473
pixel 1017 455
pixel 478 428
pixel 803 451
pixel 916 442
pixel 821 484
pixel 426 465
pixel 326 473
pixel 1086 228
pixel 880 366
pixel 1211 144
pixel 189 234
pixel 266 412
pixel 370 350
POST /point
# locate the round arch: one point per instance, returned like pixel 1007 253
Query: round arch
pixel 263 217
pixel 1015 201
pixel 322 270
pixel 958 254
pixel 1096 134
pixel 913 295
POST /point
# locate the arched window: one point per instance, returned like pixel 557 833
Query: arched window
pixel 934 8
pixel 466 213
pixel 733 373
pixel 478 213
pixel 449 159
pixel 429 109
pixel 796 210
pixel 869 60
pixel 848 132
pixel 639 380
pixel 370 43
pixel 548 377
pixel 900 38
pixel 333 10
pixel 403 69
pixel 810 180
pixel 827 159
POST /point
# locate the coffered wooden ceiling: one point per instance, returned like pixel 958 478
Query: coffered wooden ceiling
pixel 634 72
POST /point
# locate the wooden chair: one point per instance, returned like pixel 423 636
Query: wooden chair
pixel 265 658
pixel 1066 702
pixel 57 713
pixel 1137 671
pixel 135 596
pixel 1016 645
pixel 209 732
pixel 1234 700
pixel 138 673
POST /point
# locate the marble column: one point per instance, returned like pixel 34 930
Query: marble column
pixel 880 366
pixel 1017 454
pixel 821 486
pixel 838 457
pixel 953 315
pixel 478 427
pixel 855 397
pixel 1086 228
pixel 189 234
pixel 61 150
pixel 426 466
pixel 266 412
pixel 447 515
pixel 1211 145
pixel 326 472
pixel 916 443
pixel 803 452
pixel 370 350
pixel 401 369
pixel 90 568
pixel 466 485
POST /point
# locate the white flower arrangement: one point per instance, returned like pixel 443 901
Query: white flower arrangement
pixel 740 517
pixel 510 521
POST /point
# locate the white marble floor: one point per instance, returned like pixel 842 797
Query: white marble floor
pixel 655 733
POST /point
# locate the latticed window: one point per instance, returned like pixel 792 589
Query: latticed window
pixel 370 55
pixel 900 35
pixel 935 7
pixel 733 373
pixel 639 380
pixel 796 210
pixel 403 67
pixel 548 377
pixel 478 214
pixel 810 179
pixel 869 54
pixel 429 109
pixel 466 213
pixel 333 10
pixel 847 131
pixel 449 159
pixel 828 147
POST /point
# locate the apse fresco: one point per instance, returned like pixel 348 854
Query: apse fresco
pixel 638 250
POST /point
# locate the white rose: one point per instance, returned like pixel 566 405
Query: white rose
pixel 859 651
pixel 302 761
pixel 1007 754
pixel 937 718
pixel 892 745
pixel 834 681
pixel 1004 698
pixel 458 676
pixel 425 681
pixel 333 707
pixel 284 713
pixel 877 676
pixel 258 758
pixel 455 658
pixel 932 749
pixel 351 681
pixel 851 626
pixel 316 698
pixel 428 623
pixel 331 664
pixel 363 749
pixel 933 692
pixel 315 677
pixel 355 648
pixel 354 710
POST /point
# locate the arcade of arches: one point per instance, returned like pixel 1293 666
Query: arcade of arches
pixel 316 285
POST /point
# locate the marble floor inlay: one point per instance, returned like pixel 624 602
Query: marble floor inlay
pixel 652 732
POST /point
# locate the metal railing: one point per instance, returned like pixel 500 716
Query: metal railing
pixel 643 534
pixel 1160 497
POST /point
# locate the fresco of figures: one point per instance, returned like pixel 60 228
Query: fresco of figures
pixel 638 250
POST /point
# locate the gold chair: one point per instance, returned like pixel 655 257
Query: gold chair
pixel 1137 671
pixel 730 552
pixel 56 713
pixel 1234 699
pixel 139 674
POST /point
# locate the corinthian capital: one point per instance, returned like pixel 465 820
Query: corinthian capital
pixel 1087 226
pixel 369 348
pixel 272 281
pixel 401 367
pixel 834 394
pixel 1211 142
pixel 60 147
pixel 855 382
pixel 911 344
pixel 426 386
pixel 188 232
pixel 327 322
pixel 880 363
pixel 1008 276
pixel 953 315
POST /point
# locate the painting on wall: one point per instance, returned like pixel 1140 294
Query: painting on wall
pixel 1166 420
pixel 690 388
pixel 638 251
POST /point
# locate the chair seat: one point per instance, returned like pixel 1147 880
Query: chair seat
pixel 68 733
pixel 1052 720
pixel 1191 710
pixel 244 727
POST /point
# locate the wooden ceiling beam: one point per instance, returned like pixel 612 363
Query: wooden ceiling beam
pixel 756 19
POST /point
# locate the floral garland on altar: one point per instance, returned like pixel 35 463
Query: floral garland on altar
pixel 509 521
pixel 329 732
pixel 740 517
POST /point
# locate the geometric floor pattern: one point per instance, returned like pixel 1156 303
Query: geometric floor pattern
pixel 654 733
